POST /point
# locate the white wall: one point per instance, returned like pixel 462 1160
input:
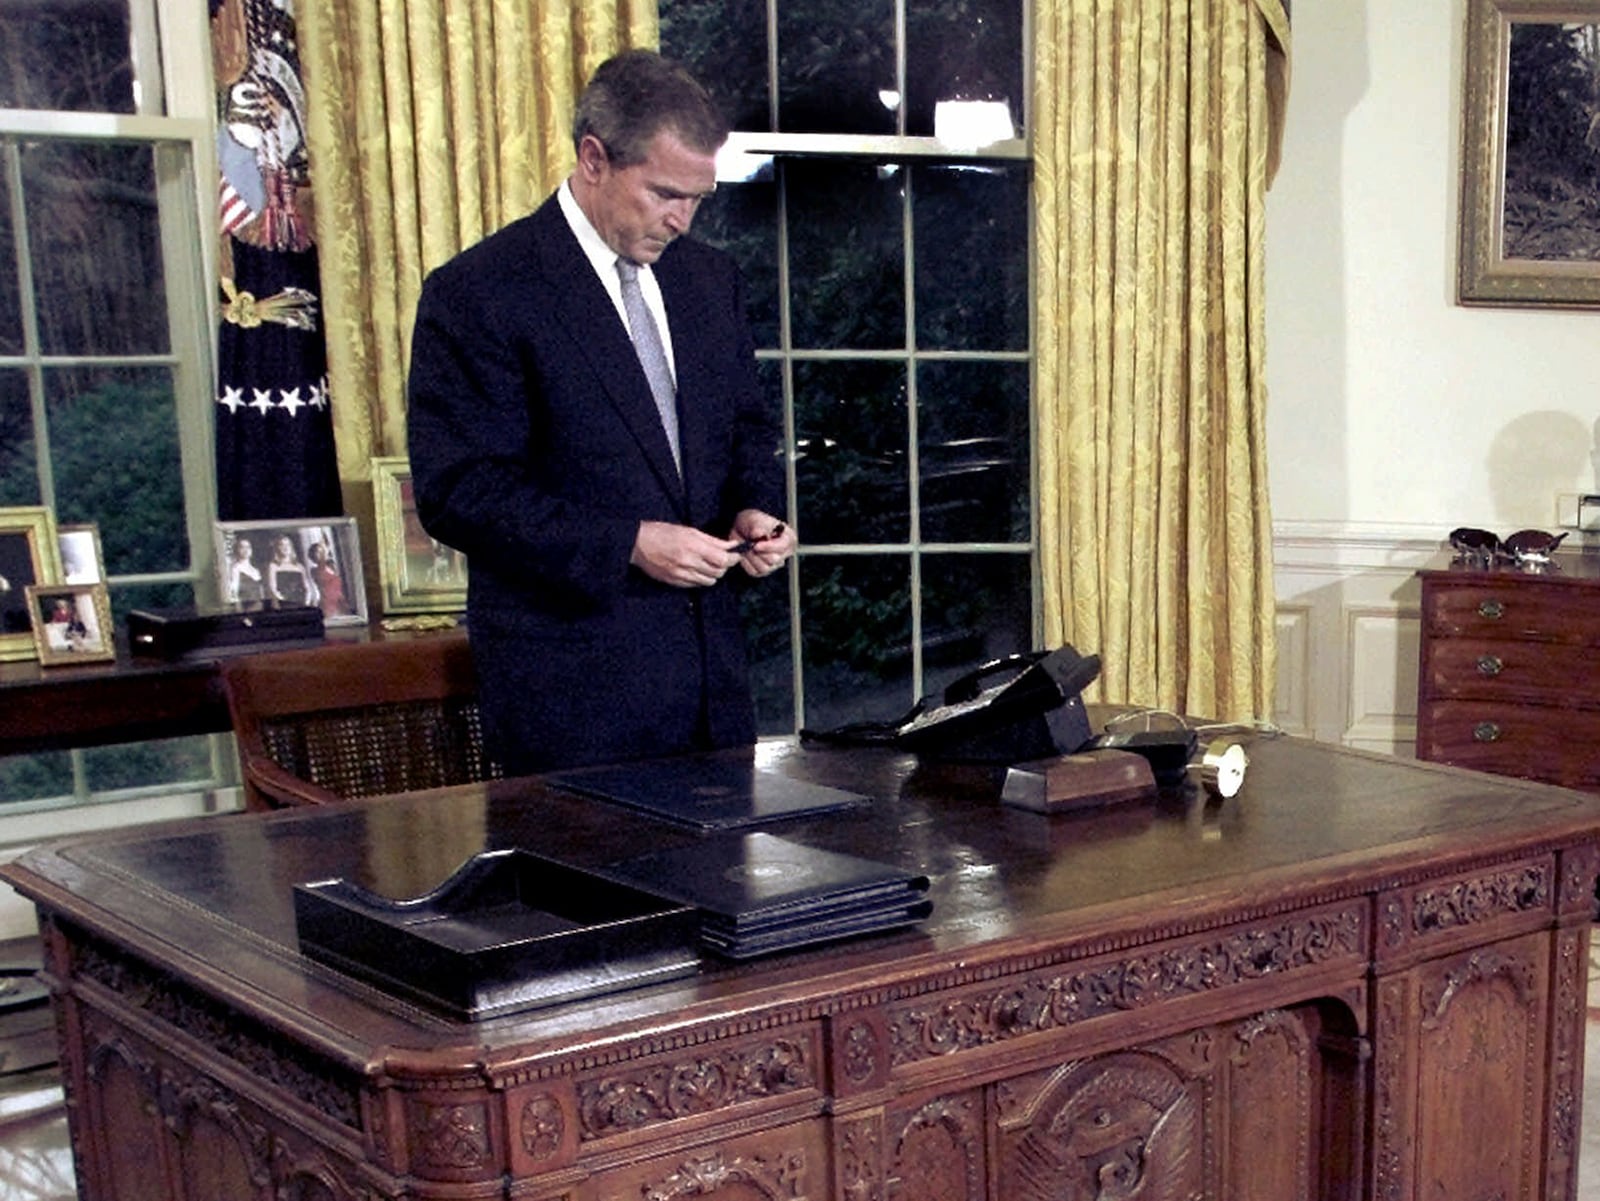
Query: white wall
pixel 1389 402
pixel 1395 414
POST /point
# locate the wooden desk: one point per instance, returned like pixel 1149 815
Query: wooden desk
pixel 131 700
pixel 1361 977
pixel 100 704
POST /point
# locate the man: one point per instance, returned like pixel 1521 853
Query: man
pixel 599 522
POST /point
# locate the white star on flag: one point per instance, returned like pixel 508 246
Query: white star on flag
pixel 232 399
pixel 263 401
pixel 319 394
pixel 291 401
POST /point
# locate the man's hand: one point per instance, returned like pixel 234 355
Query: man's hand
pixel 680 555
pixel 761 542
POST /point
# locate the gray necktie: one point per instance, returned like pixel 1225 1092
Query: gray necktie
pixel 647 344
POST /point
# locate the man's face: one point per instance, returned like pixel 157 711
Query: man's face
pixel 640 208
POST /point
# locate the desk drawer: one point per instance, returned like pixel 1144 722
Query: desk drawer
pixel 1489 669
pixel 1535 742
pixel 1546 611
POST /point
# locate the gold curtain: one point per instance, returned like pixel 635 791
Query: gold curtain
pixel 432 123
pixel 1155 122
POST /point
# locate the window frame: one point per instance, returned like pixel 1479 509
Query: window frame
pixel 170 48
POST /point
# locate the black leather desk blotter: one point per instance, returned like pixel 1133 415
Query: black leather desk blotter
pixel 707 792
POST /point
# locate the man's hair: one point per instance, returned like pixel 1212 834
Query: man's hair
pixel 634 95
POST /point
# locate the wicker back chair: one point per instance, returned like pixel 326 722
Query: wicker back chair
pixel 356 719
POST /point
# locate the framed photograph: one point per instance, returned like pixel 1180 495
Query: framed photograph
pixel 419 574
pixel 29 555
pixel 71 623
pixel 314 561
pixel 82 561
pixel 1530 162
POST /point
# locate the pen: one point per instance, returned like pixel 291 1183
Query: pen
pixel 749 544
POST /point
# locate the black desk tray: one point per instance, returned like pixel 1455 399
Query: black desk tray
pixel 509 930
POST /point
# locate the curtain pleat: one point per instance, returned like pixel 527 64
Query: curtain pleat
pixel 433 123
pixel 1155 121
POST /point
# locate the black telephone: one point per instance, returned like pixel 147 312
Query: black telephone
pixel 1007 711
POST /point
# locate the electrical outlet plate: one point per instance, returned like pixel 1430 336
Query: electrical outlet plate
pixel 1578 511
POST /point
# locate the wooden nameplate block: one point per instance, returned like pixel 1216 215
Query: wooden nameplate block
pixel 1080 781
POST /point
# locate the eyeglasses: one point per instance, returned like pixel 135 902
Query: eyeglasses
pixel 1525 546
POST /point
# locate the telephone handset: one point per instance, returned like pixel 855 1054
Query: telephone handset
pixel 1009 710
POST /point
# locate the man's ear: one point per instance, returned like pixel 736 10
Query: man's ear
pixel 592 157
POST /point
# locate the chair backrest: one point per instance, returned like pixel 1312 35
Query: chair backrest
pixel 356 719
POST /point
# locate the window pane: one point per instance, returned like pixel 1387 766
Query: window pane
pixel 35 777
pixel 847 255
pixel 971 238
pixel 73 56
pixel 141 764
pixel 973 456
pixel 19 476
pixel 723 42
pixel 855 618
pixel 125 597
pixel 962 50
pixel 764 611
pixel 975 608
pixel 114 448
pixel 742 218
pixel 96 248
pixel 836 71
pixel 850 455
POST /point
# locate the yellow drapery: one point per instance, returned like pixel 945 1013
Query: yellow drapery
pixel 432 123
pixel 1155 122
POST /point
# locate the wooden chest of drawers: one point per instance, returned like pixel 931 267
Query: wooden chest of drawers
pixel 1509 679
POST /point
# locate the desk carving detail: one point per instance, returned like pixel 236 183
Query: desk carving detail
pixel 1037 1004
pixel 224 1030
pixel 661 1093
pixel 1467 902
pixel 778 1178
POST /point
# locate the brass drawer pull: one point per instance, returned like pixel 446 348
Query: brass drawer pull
pixel 1490 665
pixel 1486 731
pixel 1492 609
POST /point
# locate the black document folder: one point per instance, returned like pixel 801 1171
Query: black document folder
pixel 705 792
pixel 758 893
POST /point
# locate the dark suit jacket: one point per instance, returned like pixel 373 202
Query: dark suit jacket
pixel 536 449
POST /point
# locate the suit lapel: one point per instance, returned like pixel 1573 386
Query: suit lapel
pixel 591 319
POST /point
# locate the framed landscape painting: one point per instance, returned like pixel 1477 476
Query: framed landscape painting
pixel 1530 163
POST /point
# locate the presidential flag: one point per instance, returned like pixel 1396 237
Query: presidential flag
pixel 274 421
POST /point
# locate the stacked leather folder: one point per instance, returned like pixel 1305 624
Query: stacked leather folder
pixel 760 893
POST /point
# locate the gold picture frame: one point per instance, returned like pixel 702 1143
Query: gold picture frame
pixel 418 574
pixel 1522 242
pixel 71 623
pixel 29 555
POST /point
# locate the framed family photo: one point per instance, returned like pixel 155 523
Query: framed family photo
pixel 29 556
pixel 419 574
pixel 1530 162
pixel 71 623
pixel 314 561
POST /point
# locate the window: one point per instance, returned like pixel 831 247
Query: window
pixel 106 192
pixel 875 194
